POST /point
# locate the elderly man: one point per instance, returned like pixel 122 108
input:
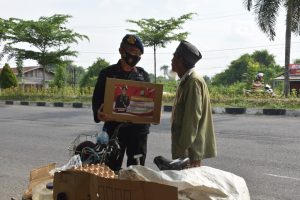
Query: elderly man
pixel 192 128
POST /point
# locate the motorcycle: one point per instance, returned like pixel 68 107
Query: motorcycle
pixel 92 152
pixel 165 164
pixel 267 90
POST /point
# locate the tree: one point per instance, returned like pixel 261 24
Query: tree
pixel 7 77
pixel 235 71
pixel 4 26
pixel 151 77
pixel 74 74
pixel 60 76
pixel 90 77
pixel 170 85
pixel 267 12
pixel 207 79
pixel 48 36
pixel 246 67
pixel 2 29
pixel 165 69
pixel 264 58
pixel 297 61
pixel 19 63
pixel 158 33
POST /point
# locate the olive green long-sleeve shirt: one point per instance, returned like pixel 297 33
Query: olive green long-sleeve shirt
pixel 192 124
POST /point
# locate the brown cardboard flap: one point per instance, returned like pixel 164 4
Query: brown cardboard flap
pixel 79 185
pixel 75 184
pixel 41 172
pixel 37 176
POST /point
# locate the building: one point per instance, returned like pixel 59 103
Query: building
pixel 294 77
pixel 33 77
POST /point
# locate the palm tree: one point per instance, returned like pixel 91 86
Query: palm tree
pixel 267 12
pixel 165 70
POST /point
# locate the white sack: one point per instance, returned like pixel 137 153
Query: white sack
pixel 200 183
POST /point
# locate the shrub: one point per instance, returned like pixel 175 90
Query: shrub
pixel 7 78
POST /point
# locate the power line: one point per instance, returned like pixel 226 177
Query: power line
pixel 196 19
pixel 250 47
pixel 100 27
pixel 218 17
pixel 212 50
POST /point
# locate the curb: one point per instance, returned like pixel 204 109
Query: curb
pixel 274 111
pixel 167 108
pixel 58 104
pixel 41 103
pixel 77 105
pixel 46 104
pixel 235 110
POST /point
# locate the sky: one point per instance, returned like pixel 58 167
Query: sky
pixel 222 30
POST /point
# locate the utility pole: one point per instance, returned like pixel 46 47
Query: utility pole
pixel 74 77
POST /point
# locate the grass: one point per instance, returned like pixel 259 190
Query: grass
pixel 85 96
pixel 248 102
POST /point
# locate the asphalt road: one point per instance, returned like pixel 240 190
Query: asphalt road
pixel 264 150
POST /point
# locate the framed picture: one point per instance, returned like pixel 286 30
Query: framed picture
pixel 133 101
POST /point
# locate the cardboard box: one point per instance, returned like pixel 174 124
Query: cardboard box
pixel 78 185
pixel 37 176
pixel 133 101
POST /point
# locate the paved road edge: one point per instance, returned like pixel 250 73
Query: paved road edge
pixel 216 110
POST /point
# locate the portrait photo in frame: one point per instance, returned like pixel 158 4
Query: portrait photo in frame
pixel 133 101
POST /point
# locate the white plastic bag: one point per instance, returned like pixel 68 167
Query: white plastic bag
pixel 75 161
pixel 200 183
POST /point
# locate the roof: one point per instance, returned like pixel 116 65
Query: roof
pixel 26 69
pixel 292 78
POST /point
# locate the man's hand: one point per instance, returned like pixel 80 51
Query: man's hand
pixel 102 116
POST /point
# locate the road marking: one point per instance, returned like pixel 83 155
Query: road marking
pixel 287 177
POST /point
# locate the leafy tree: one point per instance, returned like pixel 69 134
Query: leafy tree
pixel 49 38
pixel 74 74
pixel 151 77
pixel 207 79
pixel 297 61
pixel 264 58
pixel 2 29
pixel 7 77
pixel 165 69
pixel 60 76
pixel 158 33
pixel 170 85
pixel 246 67
pixel 19 63
pixel 267 12
pixel 90 77
pixel 235 72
